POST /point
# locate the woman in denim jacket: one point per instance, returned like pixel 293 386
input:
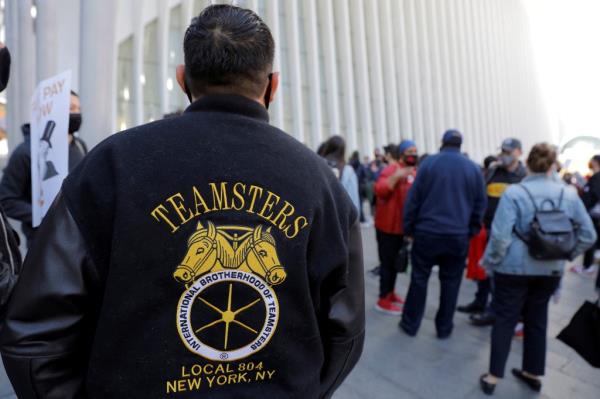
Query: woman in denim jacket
pixel 524 285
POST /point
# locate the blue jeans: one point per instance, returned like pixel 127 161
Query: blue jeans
pixel 449 253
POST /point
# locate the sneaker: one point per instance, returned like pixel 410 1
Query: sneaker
pixel 471 308
pixel 576 269
pixel 482 320
pixel 589 272
pixel 395 298
pixel 386 306
pixel 374 272
pixel 519 332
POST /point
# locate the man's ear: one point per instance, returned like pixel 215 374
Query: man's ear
pixel 274 86
pixel 180 76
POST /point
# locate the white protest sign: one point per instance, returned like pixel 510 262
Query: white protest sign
pixel 49 142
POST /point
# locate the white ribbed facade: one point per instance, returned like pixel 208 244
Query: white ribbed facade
pixel 374 71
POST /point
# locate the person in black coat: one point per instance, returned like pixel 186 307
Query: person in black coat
pixel 15 186
pixel 205 255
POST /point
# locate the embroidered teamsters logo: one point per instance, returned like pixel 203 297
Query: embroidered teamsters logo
pixel 223 266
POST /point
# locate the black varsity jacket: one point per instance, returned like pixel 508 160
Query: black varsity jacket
pixel 208 255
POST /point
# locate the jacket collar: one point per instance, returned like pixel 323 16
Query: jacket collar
pixel 536 176
pixel 450 148
pixel 230 103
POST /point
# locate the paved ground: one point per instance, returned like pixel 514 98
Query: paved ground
pixel 396 366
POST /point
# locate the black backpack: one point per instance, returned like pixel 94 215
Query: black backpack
pixel 552 234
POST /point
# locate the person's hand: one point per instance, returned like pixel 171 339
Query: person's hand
pixel 403 172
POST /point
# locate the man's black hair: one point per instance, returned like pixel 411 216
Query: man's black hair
pixel 393 150
pixel 74 93
pixel 334 148
pixel 228 49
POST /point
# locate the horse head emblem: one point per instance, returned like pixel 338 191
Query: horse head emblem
pixel 201 255
pixel 262 256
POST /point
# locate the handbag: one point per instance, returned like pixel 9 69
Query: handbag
pixel 402 260
pixel 583 333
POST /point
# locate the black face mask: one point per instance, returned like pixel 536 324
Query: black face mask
pixel 186 88
pixel 267 98
pixel 74 122
pixel 410 160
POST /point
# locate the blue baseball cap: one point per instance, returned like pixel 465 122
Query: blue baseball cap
pixel 452 137
pixel 511 144
pixel 405 145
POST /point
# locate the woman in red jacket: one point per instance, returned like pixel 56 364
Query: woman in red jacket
pixel 391 190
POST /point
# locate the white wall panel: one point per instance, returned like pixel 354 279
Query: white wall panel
pixel 373 71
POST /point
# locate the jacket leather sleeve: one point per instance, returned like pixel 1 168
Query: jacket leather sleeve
pixel 346 318
pixel 15 186
pixel 46 336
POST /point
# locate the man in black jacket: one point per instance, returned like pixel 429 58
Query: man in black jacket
pixel 507 170
pixel 209 254
pixel 15 186
pixel 10 257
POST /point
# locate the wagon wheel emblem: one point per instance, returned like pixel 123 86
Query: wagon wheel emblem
pixel 228 316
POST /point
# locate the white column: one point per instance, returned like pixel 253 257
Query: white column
pixel 390 71
pixel 376 93
pixel 487 46
pixel 97 80
pixel 331 76
pixel 502 68
pixel 426 86
pixel 362 76
pixel 314 79
pixel 438 97
pixel 402 67
pixel 272 18
pixel 483 89
pixel 414 73
pixel 295 75
pixel 138 62
pixel 187 13
pixel 466 78
pixel 347 74
pixel 46 43
pixel 162 8
pixel 446 39
pixel 21 44
pixel 253 5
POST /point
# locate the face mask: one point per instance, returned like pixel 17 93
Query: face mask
pixel 410 160
pixel 268 92
pixel 507 160
pixel 186 88
pixel 74 122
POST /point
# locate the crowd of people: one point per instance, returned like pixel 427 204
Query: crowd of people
pixel 208 193
pixel 448 212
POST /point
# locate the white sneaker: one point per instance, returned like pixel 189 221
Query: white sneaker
pixel 576 269
pixel 589 272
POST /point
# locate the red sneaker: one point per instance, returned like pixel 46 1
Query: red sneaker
pixel 519 331
pixel 395 298
pixel 385 305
